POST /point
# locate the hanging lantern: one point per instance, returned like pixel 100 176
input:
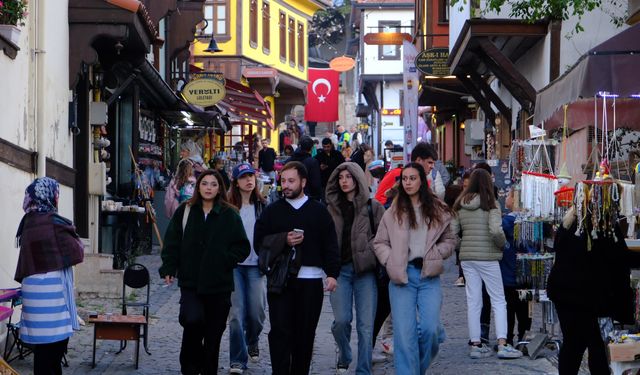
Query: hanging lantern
pixel 564 196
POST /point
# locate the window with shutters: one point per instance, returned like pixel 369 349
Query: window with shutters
pixel 282 29
pixel 292 41
pixel 266 26
pixel 301 37
pixel 253 23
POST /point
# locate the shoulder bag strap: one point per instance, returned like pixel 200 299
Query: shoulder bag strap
pixel 371 223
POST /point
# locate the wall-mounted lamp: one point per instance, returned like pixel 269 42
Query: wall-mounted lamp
pixel 213 46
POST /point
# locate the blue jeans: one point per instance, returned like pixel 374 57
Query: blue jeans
pixel 247 314
pixel 417 332
pixel 363 289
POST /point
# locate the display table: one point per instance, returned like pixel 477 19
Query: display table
pixel 117 327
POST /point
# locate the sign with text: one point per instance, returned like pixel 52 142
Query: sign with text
pixel 433 62
pixel 387 39
pixel 342 64
pixel 205 89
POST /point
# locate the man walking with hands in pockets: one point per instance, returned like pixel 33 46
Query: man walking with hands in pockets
pixel 304 226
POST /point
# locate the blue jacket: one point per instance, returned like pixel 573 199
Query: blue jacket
pixel 508 262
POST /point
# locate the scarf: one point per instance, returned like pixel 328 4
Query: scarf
pixel 40 196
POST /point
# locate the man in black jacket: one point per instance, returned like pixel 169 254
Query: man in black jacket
pixel 329 159
pixel 310 234
pixel 313 187
pixel 267 158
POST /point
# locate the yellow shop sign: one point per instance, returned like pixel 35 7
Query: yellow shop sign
pixel 204 92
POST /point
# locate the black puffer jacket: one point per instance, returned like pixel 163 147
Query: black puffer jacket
pixel 595 281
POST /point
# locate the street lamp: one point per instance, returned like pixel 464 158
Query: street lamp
pixel 213 45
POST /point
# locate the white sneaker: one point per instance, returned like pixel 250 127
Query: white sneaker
pixel 508 352
pixel 459 282
pixel 480 351
pixel 342 370
pixel 236 369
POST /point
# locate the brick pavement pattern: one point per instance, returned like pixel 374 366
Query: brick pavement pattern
pixel 165 335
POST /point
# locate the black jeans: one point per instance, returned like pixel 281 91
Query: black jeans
pixel 580 331
pixel 47 358
pixel 383 308
pixel 516 309
pixel 294 316
pixel 204 319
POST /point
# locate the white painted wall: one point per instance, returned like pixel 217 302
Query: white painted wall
pixel 458 14
pixel 370 19
pixel 17 105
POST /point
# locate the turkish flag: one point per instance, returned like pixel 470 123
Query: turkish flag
pixel 322 95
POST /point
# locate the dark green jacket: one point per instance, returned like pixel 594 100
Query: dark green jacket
pixel 204 258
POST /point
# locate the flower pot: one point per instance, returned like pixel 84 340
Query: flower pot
pixel 11 33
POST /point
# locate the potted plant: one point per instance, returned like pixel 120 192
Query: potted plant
pixel 12 15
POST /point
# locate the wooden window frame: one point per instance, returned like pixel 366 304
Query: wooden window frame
pixel 301 37
pixel 291 29
pixel 443 12
pixel 282 30
pixel 397 54
pixel 266 27
pixel 253 23
pixel 213 21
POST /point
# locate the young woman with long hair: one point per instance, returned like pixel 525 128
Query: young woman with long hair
pixel 356 218
pixel 419 222
pixel 201 250
pixel 248 299
pixel 180 188
pixel 480 222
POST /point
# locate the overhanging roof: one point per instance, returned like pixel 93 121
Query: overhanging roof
pixel 491 47
pixel 611 66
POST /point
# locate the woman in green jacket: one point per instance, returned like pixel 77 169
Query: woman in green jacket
pixel 201 250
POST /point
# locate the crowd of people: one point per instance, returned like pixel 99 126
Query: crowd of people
pixel 375 240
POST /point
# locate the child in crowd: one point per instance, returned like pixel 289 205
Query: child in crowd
pixel 516 308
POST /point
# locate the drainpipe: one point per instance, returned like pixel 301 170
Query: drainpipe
pixel 39 88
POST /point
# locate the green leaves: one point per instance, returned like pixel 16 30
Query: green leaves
pixel 556 10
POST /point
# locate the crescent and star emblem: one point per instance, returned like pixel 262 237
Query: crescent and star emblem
pixel 316 83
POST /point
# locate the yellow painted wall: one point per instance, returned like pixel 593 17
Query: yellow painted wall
pixel 273 58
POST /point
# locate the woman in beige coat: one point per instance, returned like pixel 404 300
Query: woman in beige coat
pixel 480 222
pixel 356 218
pixel 413 239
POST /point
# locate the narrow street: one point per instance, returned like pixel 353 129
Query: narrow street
pixel 165 335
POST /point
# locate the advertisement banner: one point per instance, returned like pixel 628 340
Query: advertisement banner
pixel 411 81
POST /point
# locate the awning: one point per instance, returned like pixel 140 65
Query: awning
pixel 245 105
pixel 487 47
pixel 611 66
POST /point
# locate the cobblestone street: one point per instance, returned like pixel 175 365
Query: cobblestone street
pixel 165 334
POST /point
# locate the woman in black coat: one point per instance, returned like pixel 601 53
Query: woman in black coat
pixel 585 285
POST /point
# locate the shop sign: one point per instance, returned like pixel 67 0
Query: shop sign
pixel 387 39
pixel 205 89
pixel 259 72
pixel 342 64
pixel 433 62
pixel 391 111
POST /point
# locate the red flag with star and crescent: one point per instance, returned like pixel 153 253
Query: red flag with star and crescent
pixel 322 95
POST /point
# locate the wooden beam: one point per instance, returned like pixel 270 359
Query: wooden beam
pixel 17 156
pixel 491 95
pixel 62 173
pixel 554 53
pixel 506 71
pixel 477 95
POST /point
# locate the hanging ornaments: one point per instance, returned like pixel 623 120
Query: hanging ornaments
pixel 537 194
